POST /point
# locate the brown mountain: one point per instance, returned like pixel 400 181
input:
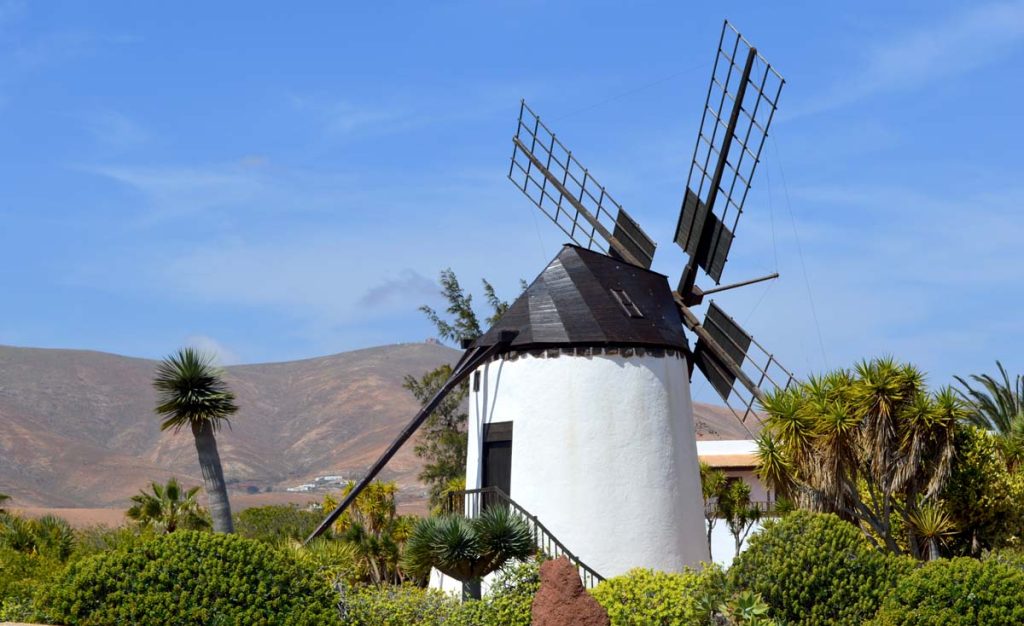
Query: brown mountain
pixel 77 428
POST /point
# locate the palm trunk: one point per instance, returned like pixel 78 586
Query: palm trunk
pixel 213 477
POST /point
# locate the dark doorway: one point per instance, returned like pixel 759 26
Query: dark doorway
pixel 497 456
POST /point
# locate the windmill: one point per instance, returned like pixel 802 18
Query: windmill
pixel 590 367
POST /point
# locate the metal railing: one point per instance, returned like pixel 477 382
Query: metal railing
pixel 472 502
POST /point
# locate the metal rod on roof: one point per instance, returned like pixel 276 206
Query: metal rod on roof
pixel 744 283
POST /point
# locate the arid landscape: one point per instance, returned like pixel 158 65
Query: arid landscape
pixel 78 432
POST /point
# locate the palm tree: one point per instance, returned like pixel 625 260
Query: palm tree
pixel 469 549
pixel 997 405
pixel 168 508
pixel 192 392
pixel 49 536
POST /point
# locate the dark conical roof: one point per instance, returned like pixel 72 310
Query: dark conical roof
pixel 587 298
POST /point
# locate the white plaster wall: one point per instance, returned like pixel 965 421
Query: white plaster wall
pixel 603 453
pixel 723 546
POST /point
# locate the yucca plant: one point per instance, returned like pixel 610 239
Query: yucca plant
pixel 469 549
pixel 192 392
pixel 932 524
pixel 860 443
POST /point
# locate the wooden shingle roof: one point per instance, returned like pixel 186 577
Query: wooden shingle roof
pixel 584 298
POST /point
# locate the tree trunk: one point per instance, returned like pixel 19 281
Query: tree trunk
pixel 213 477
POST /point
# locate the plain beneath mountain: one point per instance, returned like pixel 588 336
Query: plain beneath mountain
pixel 77 428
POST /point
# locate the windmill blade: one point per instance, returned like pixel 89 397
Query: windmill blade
pixel 470 360
pixel 725 341
pixel 742 98
pixel 551 177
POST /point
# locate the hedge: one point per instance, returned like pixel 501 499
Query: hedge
pixel 644 597
pixel 817 570
pixel 191 577
pixel 957 592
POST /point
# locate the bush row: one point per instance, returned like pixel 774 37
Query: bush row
pixel 808 568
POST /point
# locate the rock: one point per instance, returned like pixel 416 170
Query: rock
pixel 562 600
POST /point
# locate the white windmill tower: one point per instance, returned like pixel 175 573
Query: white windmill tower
pixel 580 414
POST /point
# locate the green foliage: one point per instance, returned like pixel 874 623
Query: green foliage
pixel 644 597
pixel 746 608
pixel 375 530
pixel 276 522
pixel 191 578
pixel 956 592
pixel 97 539
pixel 168 507
pixel 468 549
pixel 332 559
pixel 398 605
pixel 441 442
pixel 739 512
pixel 49 536
pixel 863 444
pixel 191 390
pixel 816 570
pixel 997 405
pixel 508 602
pixel 3 498
pixel 712 485
pixel 442 437
pixel 23 576
pixel 985 499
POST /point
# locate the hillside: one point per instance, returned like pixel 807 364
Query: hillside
pixel 77 428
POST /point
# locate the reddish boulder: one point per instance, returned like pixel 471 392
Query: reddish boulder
pixel 562 600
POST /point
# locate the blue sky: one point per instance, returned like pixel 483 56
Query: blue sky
pixel 278 184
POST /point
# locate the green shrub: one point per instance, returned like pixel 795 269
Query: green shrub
pixel 956 592
pixel 97 539
pixel 509 601
pixel 985 499
pixel 276 522
pixel 398 605
pixel 332 559
pixel 816 570
pixel 23 576
pixel 644 597
pixel 49 535
pixel 189 577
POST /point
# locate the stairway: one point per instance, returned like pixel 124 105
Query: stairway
pixel 471 502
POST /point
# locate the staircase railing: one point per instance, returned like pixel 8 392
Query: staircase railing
pixel 472 501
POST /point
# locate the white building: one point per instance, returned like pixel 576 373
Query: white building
pixel 585 420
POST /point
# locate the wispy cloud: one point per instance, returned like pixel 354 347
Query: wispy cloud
pixel 961 42
pixel 115 130
pixel 344 117
pixel 220 353
pixel 409 283
pixel 177 192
